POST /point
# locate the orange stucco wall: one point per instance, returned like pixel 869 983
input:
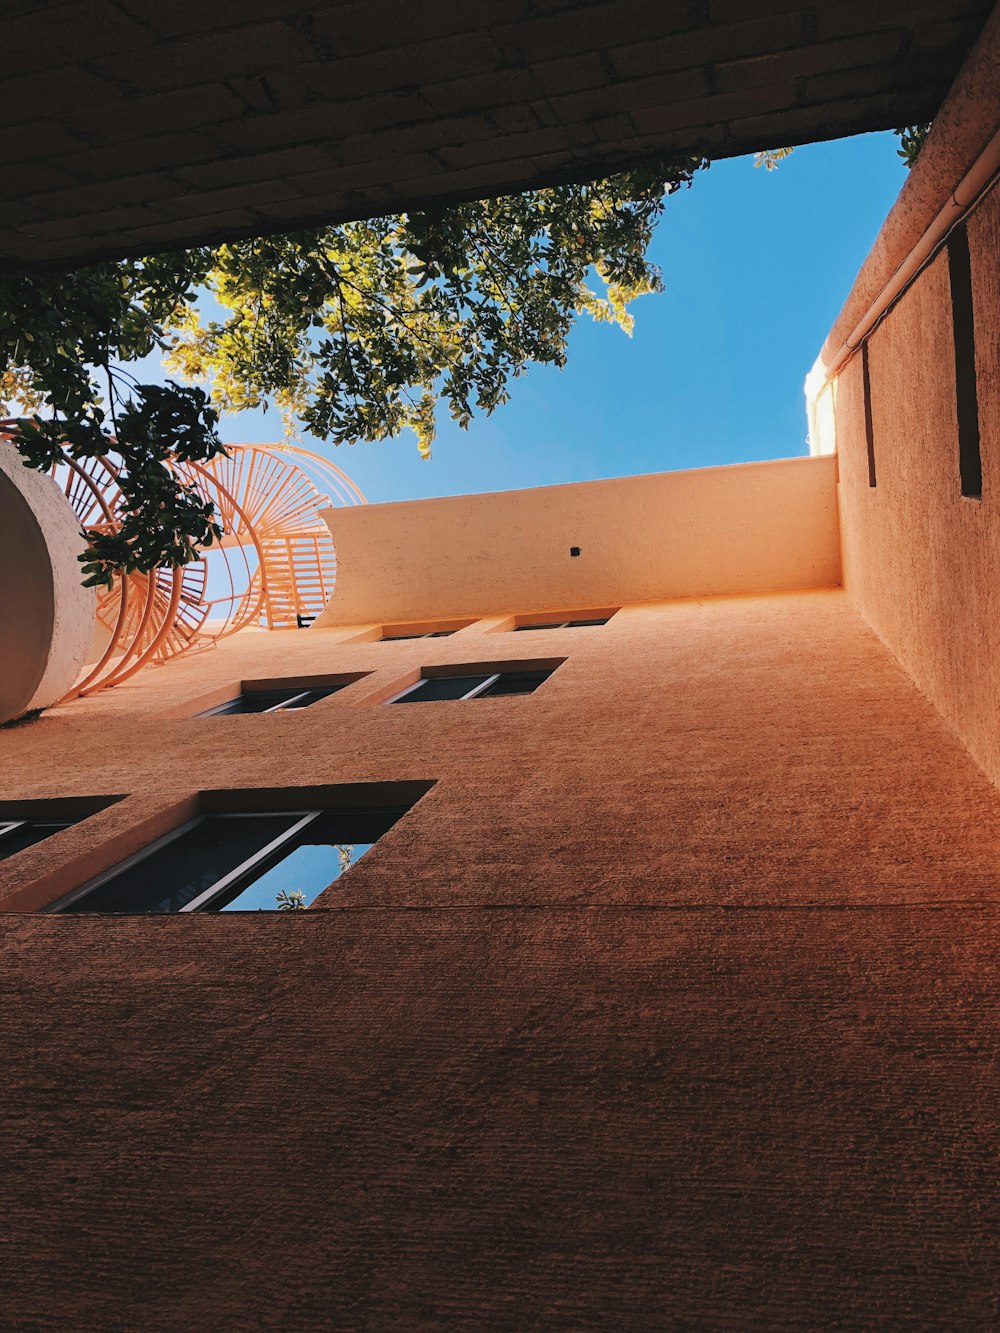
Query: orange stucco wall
pixel 671 1003
pixel 921 561
pixel 665 1004
pixel 655 756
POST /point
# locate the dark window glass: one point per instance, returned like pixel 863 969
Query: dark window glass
pixel 358 826
pixel 564 624
pixel 516 682
pixel 258 701
pixel 459 687
pixel 16 836
pixel 175 874
pixel 431 634
pixel 288 698
pixel 223 710
pixel 313 696
pixel 442 687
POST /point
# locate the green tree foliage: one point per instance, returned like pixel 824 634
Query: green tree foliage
pixel 294 900
pixel 291 900
pixel 359 331
pixel 356 332
pixel 60 339
pixel 771 158
pixel 911 139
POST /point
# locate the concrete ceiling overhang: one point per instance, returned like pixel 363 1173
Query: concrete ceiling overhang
pixel 132 126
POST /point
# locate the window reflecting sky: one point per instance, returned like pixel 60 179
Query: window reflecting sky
pixel 308 868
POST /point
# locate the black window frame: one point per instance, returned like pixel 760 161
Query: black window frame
pixel 10 826
pixel 57 813
pixel 228 708
pixel 486 680
pixel 567 624
pixel 574 622
pixel 427 634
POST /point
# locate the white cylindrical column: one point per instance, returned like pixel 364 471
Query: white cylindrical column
pixel 47 618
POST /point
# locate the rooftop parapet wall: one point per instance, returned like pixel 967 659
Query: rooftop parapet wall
pixel 759 527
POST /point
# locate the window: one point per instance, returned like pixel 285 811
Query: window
pixel 287 699
pixel 430 634
pixel 583 617
pixel 16 834
pixel 478 686
pixel 399 631
pixel 25 825
pixel 231 862
pixel 565 624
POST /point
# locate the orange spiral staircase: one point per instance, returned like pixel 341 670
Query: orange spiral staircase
pixel 275 566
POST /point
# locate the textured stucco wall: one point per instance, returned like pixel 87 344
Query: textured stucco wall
pixel 671 1003
pixel 921 561
pixel 46 617
pixel 560 1119
pixel 757 527
pixel 651 760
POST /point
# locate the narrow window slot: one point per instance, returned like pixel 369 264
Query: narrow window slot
pixel 970 463
pixel 869 428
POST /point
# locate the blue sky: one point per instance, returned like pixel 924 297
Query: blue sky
pixel 756 266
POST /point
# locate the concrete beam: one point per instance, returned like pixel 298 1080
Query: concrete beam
pixel 136 126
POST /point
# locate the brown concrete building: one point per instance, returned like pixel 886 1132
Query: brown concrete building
pixel 666 995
